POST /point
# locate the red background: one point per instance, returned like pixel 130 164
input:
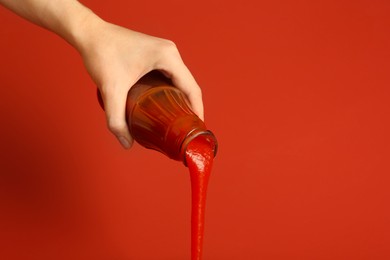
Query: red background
pixel 297 93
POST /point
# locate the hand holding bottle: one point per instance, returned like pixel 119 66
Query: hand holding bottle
pixel 117 58
pixel 114 56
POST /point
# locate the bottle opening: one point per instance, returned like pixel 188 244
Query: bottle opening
pixel 208 136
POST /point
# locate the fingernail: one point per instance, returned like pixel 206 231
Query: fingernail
pixel 124 142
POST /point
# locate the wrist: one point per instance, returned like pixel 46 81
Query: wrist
pixel 84 33
pixel 71 21
pixel 81 31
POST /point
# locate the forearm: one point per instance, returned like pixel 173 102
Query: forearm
pixel 67 18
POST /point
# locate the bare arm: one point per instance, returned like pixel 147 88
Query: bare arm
pixel 114 56
pixel 63 17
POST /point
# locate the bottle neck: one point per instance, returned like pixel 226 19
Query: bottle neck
pixel 206 134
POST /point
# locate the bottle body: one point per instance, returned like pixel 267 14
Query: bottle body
pixel 160 118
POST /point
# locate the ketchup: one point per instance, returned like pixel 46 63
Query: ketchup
pixel 199 158
pixel 159 118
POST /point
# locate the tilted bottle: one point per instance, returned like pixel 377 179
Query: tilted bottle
pixel 159 117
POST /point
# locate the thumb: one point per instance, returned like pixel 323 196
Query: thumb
pixel 114 99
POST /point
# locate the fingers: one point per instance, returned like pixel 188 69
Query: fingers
pixel 128 62
pixel 114 99
pixel 173 66
pixel 184 80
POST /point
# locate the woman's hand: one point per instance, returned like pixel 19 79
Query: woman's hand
pixel 116 58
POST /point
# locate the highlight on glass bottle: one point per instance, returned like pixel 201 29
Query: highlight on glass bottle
pixel 159 117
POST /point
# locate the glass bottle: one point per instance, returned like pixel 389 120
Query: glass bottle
pixel 159 117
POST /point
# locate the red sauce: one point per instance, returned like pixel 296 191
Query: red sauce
pixel 199 158
pixel 160 118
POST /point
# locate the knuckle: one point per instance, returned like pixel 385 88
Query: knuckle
pixel 197 92
pixel 170 44
pixel 115 126
pixel 169 47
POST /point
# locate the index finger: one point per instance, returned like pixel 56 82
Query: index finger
pixel 183 79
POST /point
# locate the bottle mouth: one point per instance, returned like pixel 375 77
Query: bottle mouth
pixel 194 134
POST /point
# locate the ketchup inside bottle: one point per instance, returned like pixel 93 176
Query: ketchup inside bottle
pixel 160 118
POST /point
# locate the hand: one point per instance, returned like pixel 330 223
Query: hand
pixel 116 58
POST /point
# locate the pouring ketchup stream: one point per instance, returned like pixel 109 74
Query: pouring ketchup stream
pixel 199 157
pixel 159 118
